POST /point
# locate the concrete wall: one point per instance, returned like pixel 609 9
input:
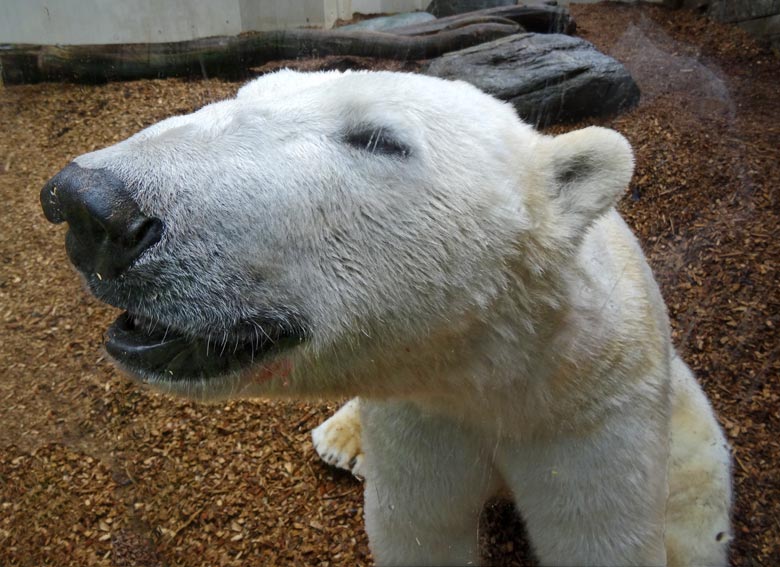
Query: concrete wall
pixel 148 21
pixel 275 14
pixel 388 6
pixel 115 21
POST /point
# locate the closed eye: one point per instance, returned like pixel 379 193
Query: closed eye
pixel 377 140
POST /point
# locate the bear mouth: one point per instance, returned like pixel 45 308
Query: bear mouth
pixel 158 352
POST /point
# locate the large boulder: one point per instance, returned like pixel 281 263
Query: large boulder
pixel 760 18
pixel 549 78
pixel 441 8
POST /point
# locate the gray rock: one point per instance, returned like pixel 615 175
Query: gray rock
pixel 735 10
pixel 384 23
pixel 441 8
pixel 760 18
pixel 549 78
pixel 765 29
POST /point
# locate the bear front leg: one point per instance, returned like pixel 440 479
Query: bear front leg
pixel 427 480
pixel 596 498
pixel 698 528
pixel 337 439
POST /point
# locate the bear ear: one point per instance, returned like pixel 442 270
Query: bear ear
pixel 587 171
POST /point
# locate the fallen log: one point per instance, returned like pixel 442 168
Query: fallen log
pixel 232 56
pixel 228 56
pixel 431 28
pixel 537 19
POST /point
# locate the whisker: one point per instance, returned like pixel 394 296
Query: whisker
pixel 262 330
pixel 224 344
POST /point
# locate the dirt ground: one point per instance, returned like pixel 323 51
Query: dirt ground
pixel 95 471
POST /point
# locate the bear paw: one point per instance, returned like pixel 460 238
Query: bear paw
pixel 337 440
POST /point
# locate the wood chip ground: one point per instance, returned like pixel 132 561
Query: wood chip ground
pixel 94 471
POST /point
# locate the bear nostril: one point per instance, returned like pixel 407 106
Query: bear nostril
pixel 147 233
pixel 113 256
pixel 107 230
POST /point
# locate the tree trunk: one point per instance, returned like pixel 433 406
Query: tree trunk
pixel 232 56
pixel 537 19
pixel 227 56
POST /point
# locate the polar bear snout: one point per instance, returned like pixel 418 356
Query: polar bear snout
pixel 107 230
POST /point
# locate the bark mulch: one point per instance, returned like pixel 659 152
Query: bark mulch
pixel 94 471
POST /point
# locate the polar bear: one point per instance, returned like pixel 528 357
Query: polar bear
pixel 411 241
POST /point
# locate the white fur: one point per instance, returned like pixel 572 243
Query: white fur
pixel 479 293
pixel 337 439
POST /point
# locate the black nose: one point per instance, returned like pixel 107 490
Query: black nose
pixel 107 230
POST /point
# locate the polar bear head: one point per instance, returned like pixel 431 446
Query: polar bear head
pixel 322 226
